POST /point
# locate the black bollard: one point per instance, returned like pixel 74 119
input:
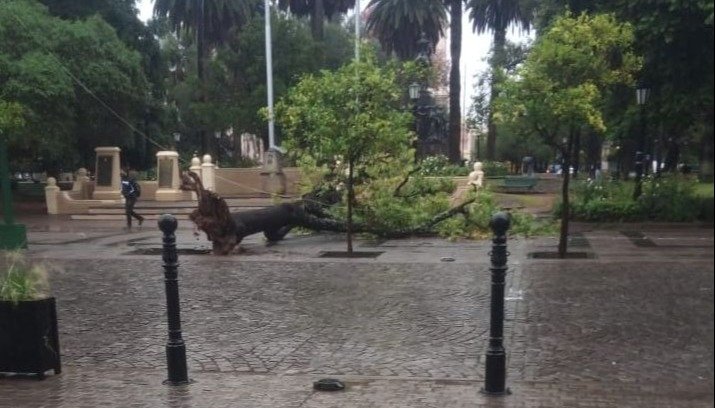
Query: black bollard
pixel 175 347
pixel 495 375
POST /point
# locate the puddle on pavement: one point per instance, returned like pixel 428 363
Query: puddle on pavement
pixel 639 239
pixel 354 254
pixel 555 255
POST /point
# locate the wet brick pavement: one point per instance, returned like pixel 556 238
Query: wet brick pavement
pixel 632 327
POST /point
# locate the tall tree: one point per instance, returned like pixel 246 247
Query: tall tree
pixel 496 16
pixel 455 109
pixel 210 21
pixel 321 121
pixel 676 39
pixel 318 10
pixel 399 24
pixel 58 71
pixel 560 89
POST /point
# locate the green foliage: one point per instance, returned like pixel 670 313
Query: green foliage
pixel 495 169
pixel 563 81
pixel 10 116
pixel 235 81
pixel 419 201
pixel 39 56
pixel 21 279
pixel 398 24
pixel 670 198
pixel 665 198
pixel 441 166
pixel 475 222
pixel 353 113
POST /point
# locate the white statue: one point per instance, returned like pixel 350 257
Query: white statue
pixel 476 178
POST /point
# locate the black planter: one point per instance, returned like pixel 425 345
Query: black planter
pixel 29 343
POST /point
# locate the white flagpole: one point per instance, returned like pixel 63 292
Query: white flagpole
pixel 269 76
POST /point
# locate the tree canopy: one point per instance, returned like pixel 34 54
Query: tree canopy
pixel 57 71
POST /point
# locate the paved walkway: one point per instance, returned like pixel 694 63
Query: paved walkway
pixel 630 327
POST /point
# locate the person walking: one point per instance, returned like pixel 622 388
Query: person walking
pixel 131 192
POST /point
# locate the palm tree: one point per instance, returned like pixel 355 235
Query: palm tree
pixel 399 24
pixel 496 16
pixel 317 10
pixel 455 110
pixel 211 21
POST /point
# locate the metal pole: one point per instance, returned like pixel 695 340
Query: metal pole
pixel 175 347
pixel 357 30
pixel 269 76
pixel 638 190
pixel 495 376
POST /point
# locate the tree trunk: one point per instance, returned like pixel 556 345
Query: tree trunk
pixel 576 155
pixel 498 58
pixel 672 156
pixel 349 231
pixel 316 20
pixel 706 151
pixel 455 111
pixel 201 56
pixel 565 210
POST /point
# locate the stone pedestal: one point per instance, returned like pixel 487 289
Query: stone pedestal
pixel 167 172
pixel 81 184
pixel 195 168
pixel 273 180
pixel 51 193
pixel 107 182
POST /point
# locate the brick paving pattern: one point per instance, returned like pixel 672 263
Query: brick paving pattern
pixel 632 327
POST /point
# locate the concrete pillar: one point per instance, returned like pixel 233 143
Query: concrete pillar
pixel 605 152
pixel 107 182
pixel 81 184
pixel 195 165
pixel 167 171
pixel 272 177
pixel 195 168
pixel 208 173
pixel 52 192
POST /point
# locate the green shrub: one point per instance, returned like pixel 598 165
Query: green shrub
pixel 440 166
pixel 664 198
pixel 475 223
pixel 21 279
pixel 669 199
pixel 495 169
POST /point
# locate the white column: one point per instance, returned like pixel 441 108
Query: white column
pixel 195 168
pixel 208 173
pixel 51 193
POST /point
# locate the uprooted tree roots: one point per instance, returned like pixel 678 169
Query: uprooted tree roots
pixel 226 230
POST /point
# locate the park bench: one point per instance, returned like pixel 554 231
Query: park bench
pixel 518 183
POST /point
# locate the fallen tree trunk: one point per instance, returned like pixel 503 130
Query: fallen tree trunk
pixel 226 230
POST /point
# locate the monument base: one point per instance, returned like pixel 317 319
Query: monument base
pixel 13 236
pixel 107 194
pixel 273 183
pixel 172 195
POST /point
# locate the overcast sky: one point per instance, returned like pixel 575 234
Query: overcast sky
pixel 475 48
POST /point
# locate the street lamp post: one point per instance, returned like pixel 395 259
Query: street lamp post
pixel 422 111
pixel 642 93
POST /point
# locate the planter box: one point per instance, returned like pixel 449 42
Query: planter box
pixel 29 343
